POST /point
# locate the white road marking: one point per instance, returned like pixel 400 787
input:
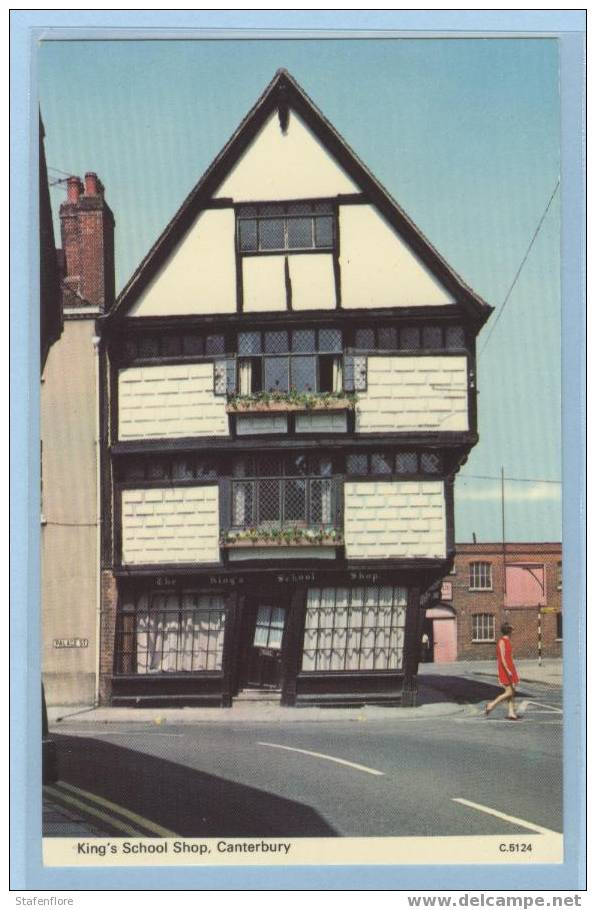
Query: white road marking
pixel 539 704
pixel 97 733
pixel 338 761
pixel 508 818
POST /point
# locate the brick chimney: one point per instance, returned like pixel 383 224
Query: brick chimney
pixel 87 228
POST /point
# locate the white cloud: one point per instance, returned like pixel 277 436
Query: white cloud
pixel 514 492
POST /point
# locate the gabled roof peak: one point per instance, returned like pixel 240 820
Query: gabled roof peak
pixel 283 94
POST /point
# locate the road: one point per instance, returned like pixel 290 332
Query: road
pixel 360 777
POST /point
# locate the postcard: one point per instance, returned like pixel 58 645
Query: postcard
pixel 302 582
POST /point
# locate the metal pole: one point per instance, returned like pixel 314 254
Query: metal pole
pixel 503 527
pixel 539 637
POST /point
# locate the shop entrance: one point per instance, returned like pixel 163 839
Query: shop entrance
pixel 263 639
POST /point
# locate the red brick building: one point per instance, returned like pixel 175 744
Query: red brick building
pixel 490 583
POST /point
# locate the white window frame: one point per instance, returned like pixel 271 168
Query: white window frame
pixel 479 623
pixel 477 573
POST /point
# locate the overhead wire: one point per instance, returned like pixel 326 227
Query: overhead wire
pixel 521 265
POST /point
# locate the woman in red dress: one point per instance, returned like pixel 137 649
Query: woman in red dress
pixel 508 676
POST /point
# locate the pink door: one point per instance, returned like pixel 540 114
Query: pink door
pixel 444 635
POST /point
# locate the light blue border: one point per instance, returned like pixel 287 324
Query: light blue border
pixel 26 870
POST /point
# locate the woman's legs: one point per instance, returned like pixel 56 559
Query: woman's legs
pixel 507 695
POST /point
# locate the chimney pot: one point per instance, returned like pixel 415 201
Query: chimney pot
pixel 74 189
pixel 93 185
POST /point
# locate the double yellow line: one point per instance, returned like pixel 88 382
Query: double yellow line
pixel 105 811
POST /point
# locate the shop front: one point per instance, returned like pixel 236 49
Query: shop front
pixel 301 636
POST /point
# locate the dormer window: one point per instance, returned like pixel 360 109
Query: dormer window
pixel 285 226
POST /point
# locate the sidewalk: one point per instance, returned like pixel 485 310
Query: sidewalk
pixel 432 703
pixel 549 674
pixel 61 719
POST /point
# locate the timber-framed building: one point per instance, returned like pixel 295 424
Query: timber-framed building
pixel 288 391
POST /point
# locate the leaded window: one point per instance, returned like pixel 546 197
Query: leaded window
pixel 306 360
pixel 481 576
pixel 284 492
pixel 151 346
pixel 483 627
pixel 179 467
pixel 394 463
pixel 171 633
pixel 354 629
pixel 409 338
pixel 277 227
pixel 269 628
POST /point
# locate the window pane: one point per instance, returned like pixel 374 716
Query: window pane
pixel 303 341
pixel 300 233
pixel 295 500
pixel 248 235
pixel 387 338
pixel 325 207
pixel 277 374
pixel 304 374
pixel 410 338
pixel 300 208
pixel 322 466
pixel 193 344
pixel 148 346
pixel 171 345
pixel 271 234
pixel 183 469
pixel 269 504
pixel 215 344
pixel 242 504
pixel 242 467
pixel 268 466
pixel 380 463
pixel 330 341
pixel 430 463
pixel 249 343
pixel 246 211
pixel 276 342
pixel 323 232
pixel 135 470
pixel 365 339
pixel 357 464
pixel 432 337
pixel 455 337
pixel 296 465
pixel 206 470
pixel 158 470
pixel 406 463
pixel 321 504
pixel 271 208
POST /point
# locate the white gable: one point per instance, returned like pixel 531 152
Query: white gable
pixel 378 269
pixel 199 277
pixel 290 165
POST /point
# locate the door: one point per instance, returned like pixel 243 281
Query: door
pixel 265 646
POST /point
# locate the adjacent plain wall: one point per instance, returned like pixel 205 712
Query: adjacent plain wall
pixel 69 558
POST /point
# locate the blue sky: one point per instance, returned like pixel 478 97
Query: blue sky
pixel 464 133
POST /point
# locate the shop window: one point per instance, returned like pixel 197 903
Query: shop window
pixel 481 576
pixel 354 629
pixel 483 627
pixel 306 360
pixel 171 633
pixel 285 226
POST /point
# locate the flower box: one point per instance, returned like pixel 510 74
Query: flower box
pixel 258 542
pixel 271 407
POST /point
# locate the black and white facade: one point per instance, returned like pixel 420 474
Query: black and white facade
pixel 288 392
